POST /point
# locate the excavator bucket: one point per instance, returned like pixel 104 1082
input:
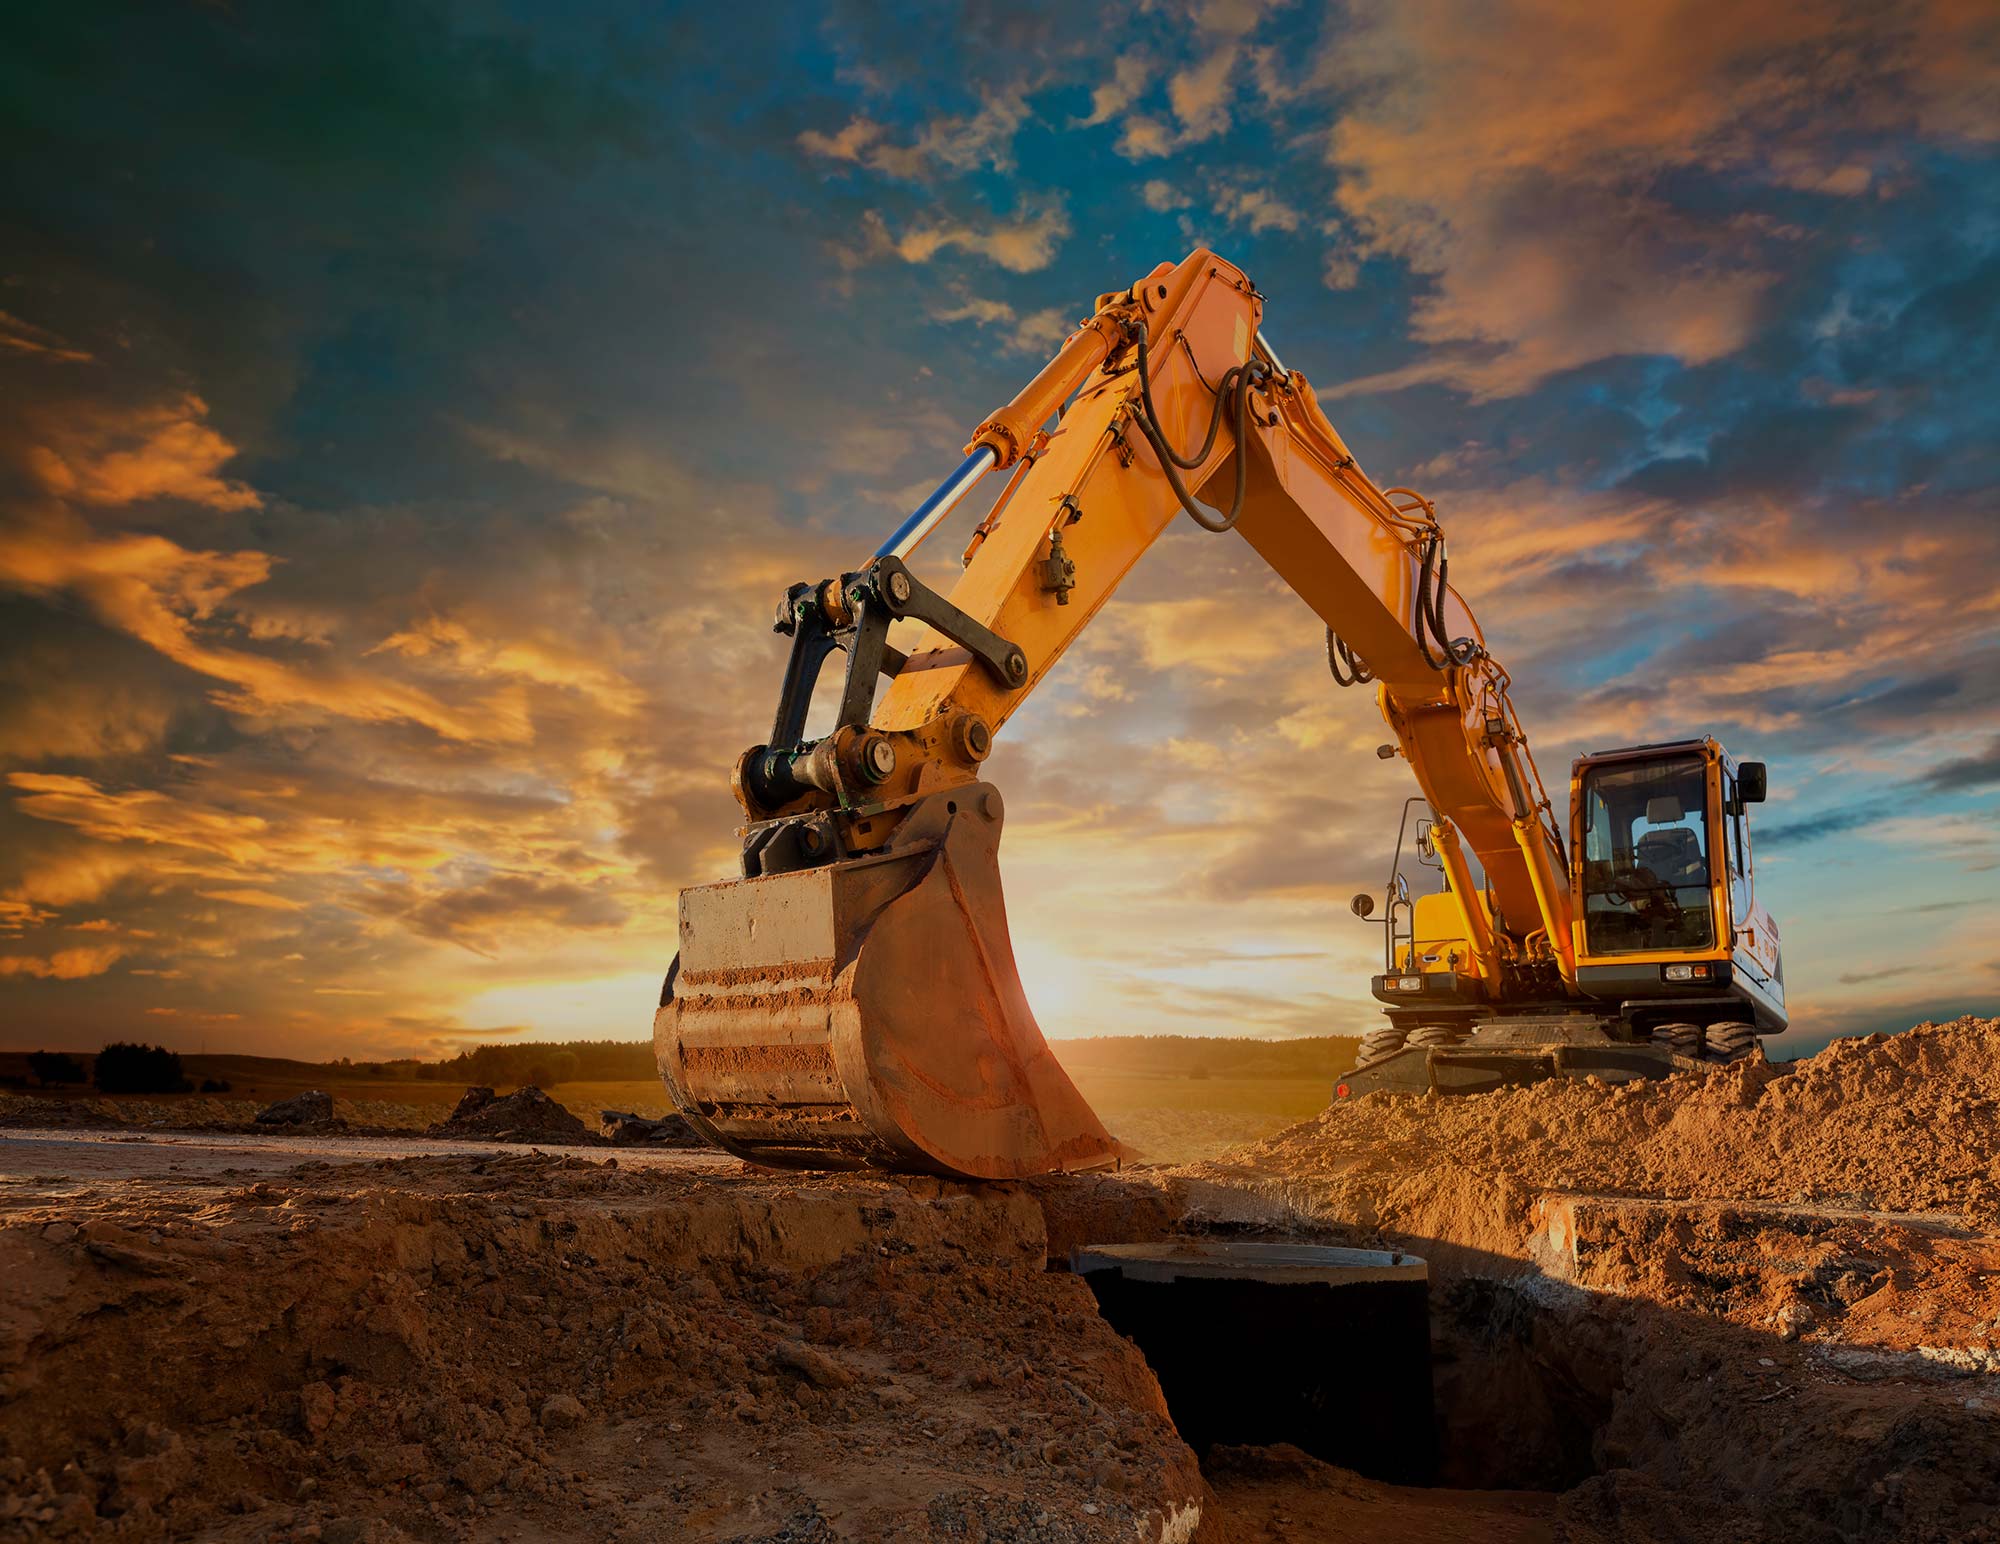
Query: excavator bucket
pixel 867 1014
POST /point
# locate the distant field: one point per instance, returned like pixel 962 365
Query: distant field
pixel 1177 1099
pixel 1169 1098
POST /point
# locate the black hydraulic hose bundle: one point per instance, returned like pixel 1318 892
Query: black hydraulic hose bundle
pixel 1433 639
pixel 1338 654
pixel 1430 629
pixel 1436 644
pixel 1234 387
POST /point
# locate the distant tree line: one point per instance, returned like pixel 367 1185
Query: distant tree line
pixel 53 1067
pixel 122 1067
pixel 544 1064
pixel 125 1067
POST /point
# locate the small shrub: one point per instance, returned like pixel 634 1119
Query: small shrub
pixel 51 1067
pixel 215 1085
pixel 124 1067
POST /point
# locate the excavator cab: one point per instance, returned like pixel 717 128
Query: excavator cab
pixel 1644 871
pixel 1661 862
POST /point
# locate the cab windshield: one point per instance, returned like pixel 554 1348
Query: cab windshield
pixel 1645 857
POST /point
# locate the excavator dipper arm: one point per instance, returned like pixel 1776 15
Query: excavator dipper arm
pixel 853 999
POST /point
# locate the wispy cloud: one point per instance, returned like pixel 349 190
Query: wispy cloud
pixel 1024 245
pixel 948 145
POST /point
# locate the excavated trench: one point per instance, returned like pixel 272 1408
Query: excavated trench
pixel 1260 1343
pixel 1485 1375
pixel 1478 1384
pixel 1615 1368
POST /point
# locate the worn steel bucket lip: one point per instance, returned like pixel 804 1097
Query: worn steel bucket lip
pixel 889 984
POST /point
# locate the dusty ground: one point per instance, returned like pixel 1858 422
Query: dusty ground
pixel 556 1347
pixel 1757 1304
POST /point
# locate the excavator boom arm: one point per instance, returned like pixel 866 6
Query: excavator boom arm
pixel 1095 488
pixel 853 999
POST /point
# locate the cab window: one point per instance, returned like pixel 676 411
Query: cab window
pixel 1646 853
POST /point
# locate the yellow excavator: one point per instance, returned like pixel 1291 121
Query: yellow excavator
pixel 852 1000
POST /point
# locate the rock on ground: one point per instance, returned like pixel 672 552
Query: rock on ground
pixel 307 1109
pixel 625 1129
pixel 526 1115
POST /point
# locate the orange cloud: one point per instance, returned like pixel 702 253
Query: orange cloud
pixel 19 337
pixel 64 964
pixel 115 457
pixel 1024 245
pixel 261 899
pixel 540 658
pixel 1514 152
pixel 17 916
pixel 159 591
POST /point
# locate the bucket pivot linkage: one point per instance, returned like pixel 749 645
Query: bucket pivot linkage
pixel 852 1001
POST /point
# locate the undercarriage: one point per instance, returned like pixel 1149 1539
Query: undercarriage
pixel 1474 1053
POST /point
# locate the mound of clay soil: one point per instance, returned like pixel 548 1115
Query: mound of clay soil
pixel 527 1346
pixel 312 1108
pixel 1907 1122
pixel 1750 1304
pixel 526 1115
pixel 26 1111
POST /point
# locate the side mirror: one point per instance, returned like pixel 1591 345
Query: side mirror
pixel 1363 905
pixel 1750 782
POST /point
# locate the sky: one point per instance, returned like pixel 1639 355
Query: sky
pixel 413 411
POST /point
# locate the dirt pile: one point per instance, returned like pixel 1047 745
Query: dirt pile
pixel 1908 1122
pixel 1755 1303
pixel 562 1349
pixel 200 1112
pixel 312 1108
pixel 526 1115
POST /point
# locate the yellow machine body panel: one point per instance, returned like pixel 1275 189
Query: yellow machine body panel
pixel 1439 938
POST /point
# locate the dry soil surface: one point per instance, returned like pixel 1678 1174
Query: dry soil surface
pixel 1756 1304
pixel 554 1346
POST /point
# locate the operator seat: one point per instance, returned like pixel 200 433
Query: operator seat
pixel 1674 855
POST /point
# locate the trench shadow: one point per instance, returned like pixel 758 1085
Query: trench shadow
pixel 1654 1420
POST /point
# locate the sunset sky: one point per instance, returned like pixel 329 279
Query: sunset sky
pixel 413 412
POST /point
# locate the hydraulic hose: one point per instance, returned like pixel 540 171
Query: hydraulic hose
pixel 1434 641
pixel 1439 649
pixel 1233 388
pixel 1339 655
